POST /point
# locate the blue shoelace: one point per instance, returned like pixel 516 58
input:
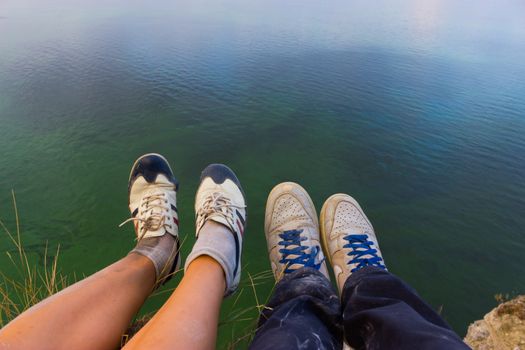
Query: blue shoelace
pixel 360 246
pixel 293 238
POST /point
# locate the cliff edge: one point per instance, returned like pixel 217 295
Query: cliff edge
pixel 501 329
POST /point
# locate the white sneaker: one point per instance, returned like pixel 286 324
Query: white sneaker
pixel 292 231
pixel 153 205
pixel 220 199
pixel 348 237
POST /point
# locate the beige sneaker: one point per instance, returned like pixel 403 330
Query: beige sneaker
pixel 348 237
pixel 292 231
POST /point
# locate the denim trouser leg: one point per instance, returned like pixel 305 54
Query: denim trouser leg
pixel 380 311
pixel 304 312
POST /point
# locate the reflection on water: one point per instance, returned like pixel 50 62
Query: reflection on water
pixel 414 108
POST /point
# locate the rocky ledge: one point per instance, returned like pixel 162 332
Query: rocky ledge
pixel 501 329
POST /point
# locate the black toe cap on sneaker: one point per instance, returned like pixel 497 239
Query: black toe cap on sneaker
pixel 219 173
pixel 149 166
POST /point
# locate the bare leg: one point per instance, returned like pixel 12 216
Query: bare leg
pixel 188 320
pixel 91 314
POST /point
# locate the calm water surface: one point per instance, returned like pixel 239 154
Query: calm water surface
pixel 415 108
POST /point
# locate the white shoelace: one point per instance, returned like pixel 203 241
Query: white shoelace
pixel 152 214
pixel 217 203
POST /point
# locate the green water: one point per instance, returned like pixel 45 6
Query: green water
pixel 416 109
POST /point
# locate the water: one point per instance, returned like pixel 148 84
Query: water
pixel 415 108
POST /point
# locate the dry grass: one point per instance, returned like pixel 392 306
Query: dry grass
pixel 28 282
pixel 24 282
pixel 246 315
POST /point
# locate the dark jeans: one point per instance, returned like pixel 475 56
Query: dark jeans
pixel 378 311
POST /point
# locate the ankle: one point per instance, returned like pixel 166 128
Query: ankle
pixel 215 246
pixel 161 252
pixel 207 267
